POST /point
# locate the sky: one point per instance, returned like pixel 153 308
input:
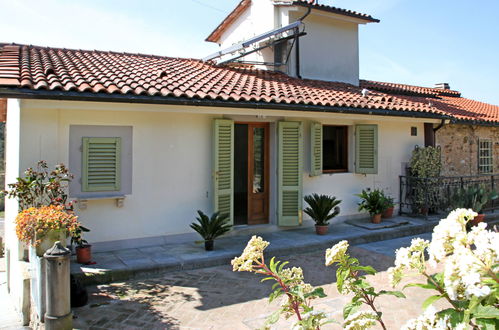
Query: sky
pixel 419 42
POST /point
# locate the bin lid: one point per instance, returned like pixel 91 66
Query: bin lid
pixel 57 250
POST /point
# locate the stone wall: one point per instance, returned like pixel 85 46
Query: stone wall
pixel 459 145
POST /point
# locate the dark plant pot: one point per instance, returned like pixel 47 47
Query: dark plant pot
pixel 479 218
pixel 424 211
pixel 321 229
pixel 208 245
pixel 388 213
pixel 83 254
pixel 376 218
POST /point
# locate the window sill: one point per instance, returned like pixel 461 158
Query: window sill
pixel 83 200
pixel 334 171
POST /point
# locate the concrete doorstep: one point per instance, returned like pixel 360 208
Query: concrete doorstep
pixel 127 264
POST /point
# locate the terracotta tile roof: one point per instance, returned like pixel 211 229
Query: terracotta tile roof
pixel 155 79
pixel 406 89
pixel 244 4
pixel 54 69
pixel 336 10
pixel 449 101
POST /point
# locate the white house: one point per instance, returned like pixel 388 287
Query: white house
pixel 246 136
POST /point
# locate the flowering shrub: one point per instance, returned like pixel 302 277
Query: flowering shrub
pixel 41 187
pixel 289 282
pixel 469 280
pixel 349 279
pixel 33 223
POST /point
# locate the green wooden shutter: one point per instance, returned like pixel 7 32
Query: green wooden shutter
pixel 101 168
pixel 223 167
pixel 366 149
pixel 290 149
pixel 316 149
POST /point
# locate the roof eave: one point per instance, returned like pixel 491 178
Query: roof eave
pixel 146 99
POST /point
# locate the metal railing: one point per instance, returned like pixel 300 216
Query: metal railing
pixel 420 196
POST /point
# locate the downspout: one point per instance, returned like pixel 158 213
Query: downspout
pixel 297 39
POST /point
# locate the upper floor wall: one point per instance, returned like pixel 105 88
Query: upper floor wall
pixel 329 50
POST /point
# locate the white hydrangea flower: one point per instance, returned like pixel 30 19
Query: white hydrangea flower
pixel 449 233
pixel 430 321
pixel 463 275
pixel 411 258
pixel 253 253
pixel 360 320
pixel 335 253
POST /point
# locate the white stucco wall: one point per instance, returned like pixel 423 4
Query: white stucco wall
pixel 172 160
pixel 329 51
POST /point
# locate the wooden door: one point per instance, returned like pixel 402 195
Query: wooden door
pixel 258 173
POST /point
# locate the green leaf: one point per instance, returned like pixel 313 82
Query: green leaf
pixel 266 279
pixel 274 317
pixel 367 269
pixel 421 285
pixel 397 294
pixel 350 308
pixel 281 266
pixel 430 300
pixel 317 292
pixel 275 294
pixel 486 312
pixel 455 317
pixel 487 324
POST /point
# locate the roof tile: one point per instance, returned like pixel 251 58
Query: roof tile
pixel 40 68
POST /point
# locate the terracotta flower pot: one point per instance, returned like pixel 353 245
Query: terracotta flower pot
pixel 83 254
pixel 479 218
pixel 376 218
pixel 321 229
pixel 208 245
pixel 388 213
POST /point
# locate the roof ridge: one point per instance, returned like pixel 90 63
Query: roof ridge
pixel 2 44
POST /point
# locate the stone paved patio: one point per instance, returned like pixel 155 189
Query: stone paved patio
pixel 217 298
pixel 135 263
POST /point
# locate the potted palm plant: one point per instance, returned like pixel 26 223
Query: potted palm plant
pixel 372 202
pixel 475 198
pixel 211 227
pixel 389 206
pixel 322 208
pixel 83 249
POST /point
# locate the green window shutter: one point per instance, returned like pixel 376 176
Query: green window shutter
pixel 101 168
pixel 290 149
pixel 366 149
pixel 223 167
pixel 316 149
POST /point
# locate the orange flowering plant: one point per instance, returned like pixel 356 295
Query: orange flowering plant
pixel 34 223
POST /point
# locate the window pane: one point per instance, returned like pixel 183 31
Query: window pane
pixel 258 160
pixel 334 148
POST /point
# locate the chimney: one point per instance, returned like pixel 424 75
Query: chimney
pixel 442 85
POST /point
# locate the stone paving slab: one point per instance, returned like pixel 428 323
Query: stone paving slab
pixel 134 263
pixel 217 298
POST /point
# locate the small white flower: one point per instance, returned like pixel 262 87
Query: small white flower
pixel 335 253
pixel 360 320
pixel 253 253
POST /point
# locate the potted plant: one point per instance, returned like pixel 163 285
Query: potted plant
pixel 475 198
pixel 211 227
pixel 43 226
pixel 82 248
pixel 372 202
pixel 322 208
pixel 389 206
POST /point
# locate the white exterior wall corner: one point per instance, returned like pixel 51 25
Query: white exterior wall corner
pixel 17 270
pixel 172 157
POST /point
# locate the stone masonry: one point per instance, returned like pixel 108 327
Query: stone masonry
pixel 459 145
